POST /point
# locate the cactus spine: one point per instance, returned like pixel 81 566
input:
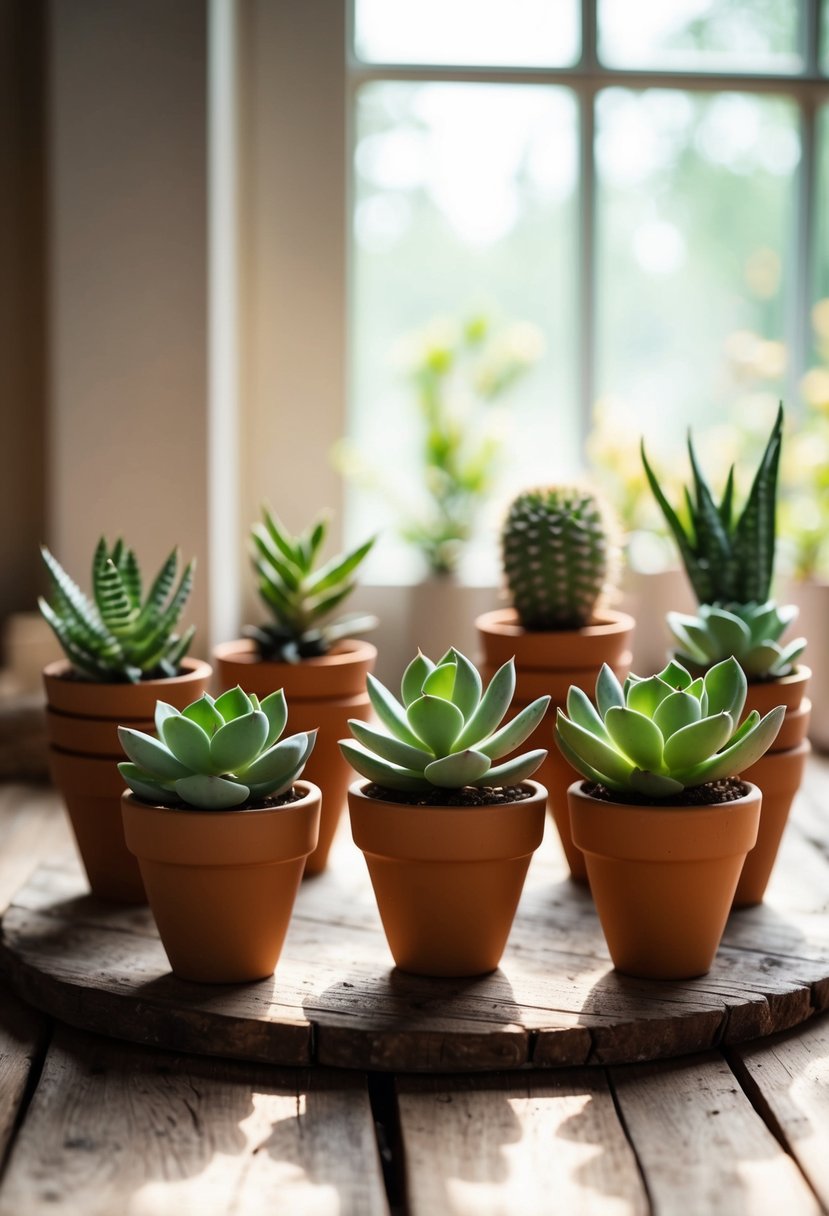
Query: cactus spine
pixel 555 551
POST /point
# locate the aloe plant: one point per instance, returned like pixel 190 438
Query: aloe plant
pixel 119 636
pixel 299 594
pixel 658 736
pixel 215 754
pixel 446 731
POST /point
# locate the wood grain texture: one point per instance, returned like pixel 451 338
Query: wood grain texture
pixel 336 999
pixel 33 826
pixel 701 1145
pixel 502 1145
pixel 126 1130
pixel 787 1078
pixel 22 1043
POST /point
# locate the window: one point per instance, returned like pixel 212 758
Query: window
pixel 647 184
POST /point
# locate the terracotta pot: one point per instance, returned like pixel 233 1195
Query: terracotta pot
pixel 549 662
pixel 222 884
pixel 321 693
pixel 447 879
pixel 778 774
pixel 812 598
pixel 663 878
pixel 82 722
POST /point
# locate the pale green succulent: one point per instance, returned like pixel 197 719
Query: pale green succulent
pixel 447 732
pixel 658 736
pixel 749 632
pixel 215 755
pixel 119 635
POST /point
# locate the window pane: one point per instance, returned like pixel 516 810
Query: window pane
pixel 696 210
pixel 518 33
pixel 464 203
pixel 824 50
pixel 701 35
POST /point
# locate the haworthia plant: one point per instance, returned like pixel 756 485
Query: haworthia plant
pixel 658 736
pixel 446 730
pixel 749 632
pixel 215 755
pixel 300 595
pixel 120 635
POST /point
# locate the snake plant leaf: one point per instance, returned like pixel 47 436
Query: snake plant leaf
pixel 317 607
pixel 211 793
pixel 693 744
pixel 699 577
pixel 236 744
pixel 645 695
pixel 460 769
pixel 581 766
pixel 654 785
pixel 726 688
pixel 516 732
pixel 678 710
pixel 582 710
pixel 635 735
pixel 118 612
pixel 436 722
pixel 161 587
pixel 281 566
pixel 512 772
pixel 281 758
pixel 441 681
pixel 381 772
pixel 233 704
pixel 754 534
pixel 149 753
pixel 608 690
pixel 468 685
pixel 387 747
pixel 204 713
pixel 338 569
pixel 275 709
pixel 130 573
pixel 491 709
pixel 145 785
pixel 411 686
pixel 734 760
pixel 390 711
pixel 188 743
pixel 711 537
pixel 279 534
pixel 598 754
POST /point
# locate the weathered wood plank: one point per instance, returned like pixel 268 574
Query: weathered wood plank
pixel 533 1145
pixel 787 1078
pixel 115 1129
pixel 22 1043
pixel 701 1145
pixel 32 827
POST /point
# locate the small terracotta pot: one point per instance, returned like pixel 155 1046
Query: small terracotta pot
pixel 778 774
pixel 548 663
pixel 321 693
pixel 447 879
pixel 222 884
pixel 82 721
pixel 663 878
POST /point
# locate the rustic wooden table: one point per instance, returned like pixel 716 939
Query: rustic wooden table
pixel 93 1126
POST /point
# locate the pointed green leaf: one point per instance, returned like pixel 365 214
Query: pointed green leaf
pixel 204 713
pixel 208 793
pixel 275 764
pixel 515 732
pixel 725 687
pixel 761 659
pixel 601 756
pixel 381 771
pixel 608 691
pixel 275 710
pixel 736 758
pixel 390 711
pixel 411 686
pixel 145 786
pixel 695 743
pixel 335 572
pixel 163 711
pixel 436 722
pixel 237 744
pixel 676 676
pixel 188 743
pixel 233 704
pixel 460 769
pixel 646 695
pixel 654 785
pixel 467 691
pixel 581 766
pixel 512 772
pixel 441 681
pixel 635 735
pixel 491 710
pixel 678 710
pixel 150 754
pixel 582 710
pixel 389 748
pixel 730 633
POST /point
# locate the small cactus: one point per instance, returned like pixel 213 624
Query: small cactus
pixel 556 554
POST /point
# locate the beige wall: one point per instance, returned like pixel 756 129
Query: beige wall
pixel 127 214
pixel 22 295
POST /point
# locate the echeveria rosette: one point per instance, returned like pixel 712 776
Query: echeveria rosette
pixel 749 632
pixel 446 730
pixel 215 754
pixel 658 736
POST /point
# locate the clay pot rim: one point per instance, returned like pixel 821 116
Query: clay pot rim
pixel 800 675
pixel 576 790
pixel 312 792
pixel 503 622
pixel 345 652
pixel 194 669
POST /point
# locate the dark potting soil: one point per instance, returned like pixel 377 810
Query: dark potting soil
pixel 468 795
pixel 727 789
pixel 270 803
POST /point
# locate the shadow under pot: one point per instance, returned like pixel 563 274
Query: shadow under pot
pixel 548 662
pixel 82 720
pixel 778 774
pixel 663 878
pixel 447 879
pixel 322 694
pixel 222 884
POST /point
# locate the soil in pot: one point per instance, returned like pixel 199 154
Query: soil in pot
pixel 549 662
pixel 447 879
pixel 82 725
pixel 222 884
pixel 322 694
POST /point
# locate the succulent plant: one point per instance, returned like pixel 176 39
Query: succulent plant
pixel 118 636
pixel 658 736
pixel 556 553
pixel 215 754
pixel 749 632
pixel 447 732
pixel 300 596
